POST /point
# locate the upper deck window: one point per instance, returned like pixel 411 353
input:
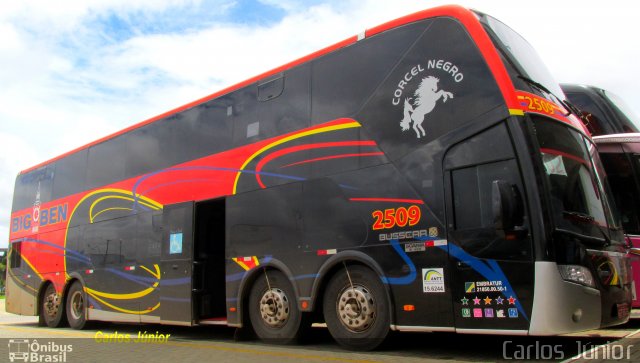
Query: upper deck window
pixel 521 55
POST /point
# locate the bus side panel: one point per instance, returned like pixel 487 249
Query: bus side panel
pixel 22 283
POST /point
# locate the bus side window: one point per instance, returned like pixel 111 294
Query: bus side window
pixel 106 162
pixel 15 260
pixel 33 187
pixel 474 165
pixel 284 104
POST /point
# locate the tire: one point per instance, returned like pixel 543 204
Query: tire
pixel 52 308
pixel 273 309
pixel 357 315
pixel 76 308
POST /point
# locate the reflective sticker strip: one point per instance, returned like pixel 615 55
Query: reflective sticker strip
pixel 130 268
pixel 516 112
pixel 247 263
pixel 327 252
pixel 88 272
pixel 438 242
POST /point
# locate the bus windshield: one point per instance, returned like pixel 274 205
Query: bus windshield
pixel 627 116
pixel 522 56
pixel 579 191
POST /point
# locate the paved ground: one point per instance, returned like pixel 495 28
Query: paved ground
pixel 109 343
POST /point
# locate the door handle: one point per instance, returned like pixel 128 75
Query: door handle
pixel 462 266
pixel 175 267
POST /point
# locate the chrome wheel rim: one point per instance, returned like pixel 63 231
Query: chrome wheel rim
pixel 52 304
pixel 356 308
pixel 274 308
pixel 77 305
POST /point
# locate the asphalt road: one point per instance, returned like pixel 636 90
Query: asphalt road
pixel 105 342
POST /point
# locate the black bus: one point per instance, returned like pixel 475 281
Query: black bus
pixel 424 175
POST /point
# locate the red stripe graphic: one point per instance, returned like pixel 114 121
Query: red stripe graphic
pixel 390 200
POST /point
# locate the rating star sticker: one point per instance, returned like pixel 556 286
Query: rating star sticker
pixel 512 301
pixel 499 300
pixel 465 301
pixel 487 300
pixel 476 301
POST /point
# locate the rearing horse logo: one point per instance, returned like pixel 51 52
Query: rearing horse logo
pixel 426 95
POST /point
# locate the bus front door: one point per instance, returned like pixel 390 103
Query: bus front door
pixel 176 305
pixel 490 249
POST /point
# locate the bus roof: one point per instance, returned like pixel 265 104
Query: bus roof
pixel 464 15
pixel 617 138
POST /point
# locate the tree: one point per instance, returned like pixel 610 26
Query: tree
pixel 3 268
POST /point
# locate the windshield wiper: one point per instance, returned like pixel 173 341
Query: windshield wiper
pixel 582 217
pixel 538 85
pixel 588 219
pixel 570 108
pixel 583 237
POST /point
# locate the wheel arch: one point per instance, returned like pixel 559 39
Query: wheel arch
pixel 336 263
pixel 251 276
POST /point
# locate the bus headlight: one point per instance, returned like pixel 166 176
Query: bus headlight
pixel 578 274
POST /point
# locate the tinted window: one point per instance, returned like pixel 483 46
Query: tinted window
pixel 344 80
pixel 33 188
pixel 596 120
pixel 70 174
pixel 16 255
pixel 472 177
pixel 111 242
pixel 148 148
pixel 106 163
pixel 201 131
pixel 243 111
pixel 624 187
pixel 195 133
pixel 149 236
pixel 288 107
pixel 441 84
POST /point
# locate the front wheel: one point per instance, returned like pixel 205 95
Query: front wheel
pixel 356 309
pixel 52 308
pixel 273 308
pixel 76 306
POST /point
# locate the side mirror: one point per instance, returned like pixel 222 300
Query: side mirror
pixel 508 211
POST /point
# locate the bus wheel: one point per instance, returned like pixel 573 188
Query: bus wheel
pixel 52 310
pixel 273 308
pixel 356 309
pixel 76 306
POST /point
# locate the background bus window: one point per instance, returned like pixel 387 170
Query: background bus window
pixel 595 116
pixel 620 172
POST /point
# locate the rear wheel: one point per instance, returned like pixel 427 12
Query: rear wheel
pixel 52 308
pixel 273 309
pixel 76 306
pixel 356 309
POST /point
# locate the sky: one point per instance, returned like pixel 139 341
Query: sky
pixel 74 71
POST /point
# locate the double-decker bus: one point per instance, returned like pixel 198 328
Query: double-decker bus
pixel 620 154
pixel 423 175
pixel 615 130
pixel 604 112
